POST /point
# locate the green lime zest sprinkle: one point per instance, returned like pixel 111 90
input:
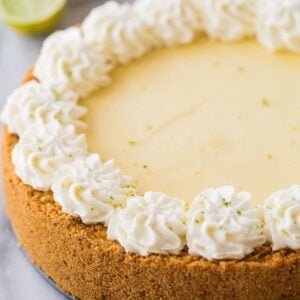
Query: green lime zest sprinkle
pixel 149 127
pixel 56 94
pixel 201 150
pixel 145 166
pixel 216 64
pixel 197 221
pixel 260 226
pixel 186 206
pixel 40 148
pixel 239 212
pixel 132 143
pixel 225 202
pixel 221 227
pixel 265 102
pixel 111 198
pixel 241 69
pixel 92 208
pixel 130 186
pixel 143 203
pixel 269 207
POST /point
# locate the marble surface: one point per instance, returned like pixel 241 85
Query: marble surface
pixel 18 279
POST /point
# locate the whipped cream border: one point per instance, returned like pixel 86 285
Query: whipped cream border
pixel 218 223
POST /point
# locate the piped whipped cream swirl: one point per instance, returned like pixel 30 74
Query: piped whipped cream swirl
pixel 227 20
pixel 90 189
pixel 32 105
pixel 129 31
pixel 119 30
pixel 278 24
pixel 154 223
pixel 171 22
pixel 282 214
pixel 224 225
pixel 68 60
pixel 42 150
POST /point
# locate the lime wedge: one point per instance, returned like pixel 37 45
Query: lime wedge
pixel 31 16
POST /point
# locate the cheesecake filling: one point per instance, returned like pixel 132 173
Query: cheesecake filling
pixel 203 115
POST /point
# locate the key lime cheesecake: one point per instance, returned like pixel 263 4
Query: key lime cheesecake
pixel 153 152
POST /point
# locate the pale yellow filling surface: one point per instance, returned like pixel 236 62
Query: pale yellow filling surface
pixel 204 115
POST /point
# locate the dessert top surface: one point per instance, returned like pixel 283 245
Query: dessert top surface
pixel 203 115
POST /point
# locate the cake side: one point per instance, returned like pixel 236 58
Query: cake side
pixel 84 263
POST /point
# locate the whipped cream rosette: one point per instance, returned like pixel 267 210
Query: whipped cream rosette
pixel 282 214
pixel 171 22
pixel 91 189
pixel 68 60
pixel 278 24
pixel 42 150
pixel 223 224
pixel 119 30
pixel 33 104
pixel 228 20
pixel 154 223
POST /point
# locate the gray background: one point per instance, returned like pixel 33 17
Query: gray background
pixel 18 279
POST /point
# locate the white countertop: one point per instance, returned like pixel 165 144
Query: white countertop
pixel 18 279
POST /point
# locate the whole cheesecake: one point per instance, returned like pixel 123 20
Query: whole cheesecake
pixel 199 114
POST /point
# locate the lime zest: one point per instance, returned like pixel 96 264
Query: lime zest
pixel 265 102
